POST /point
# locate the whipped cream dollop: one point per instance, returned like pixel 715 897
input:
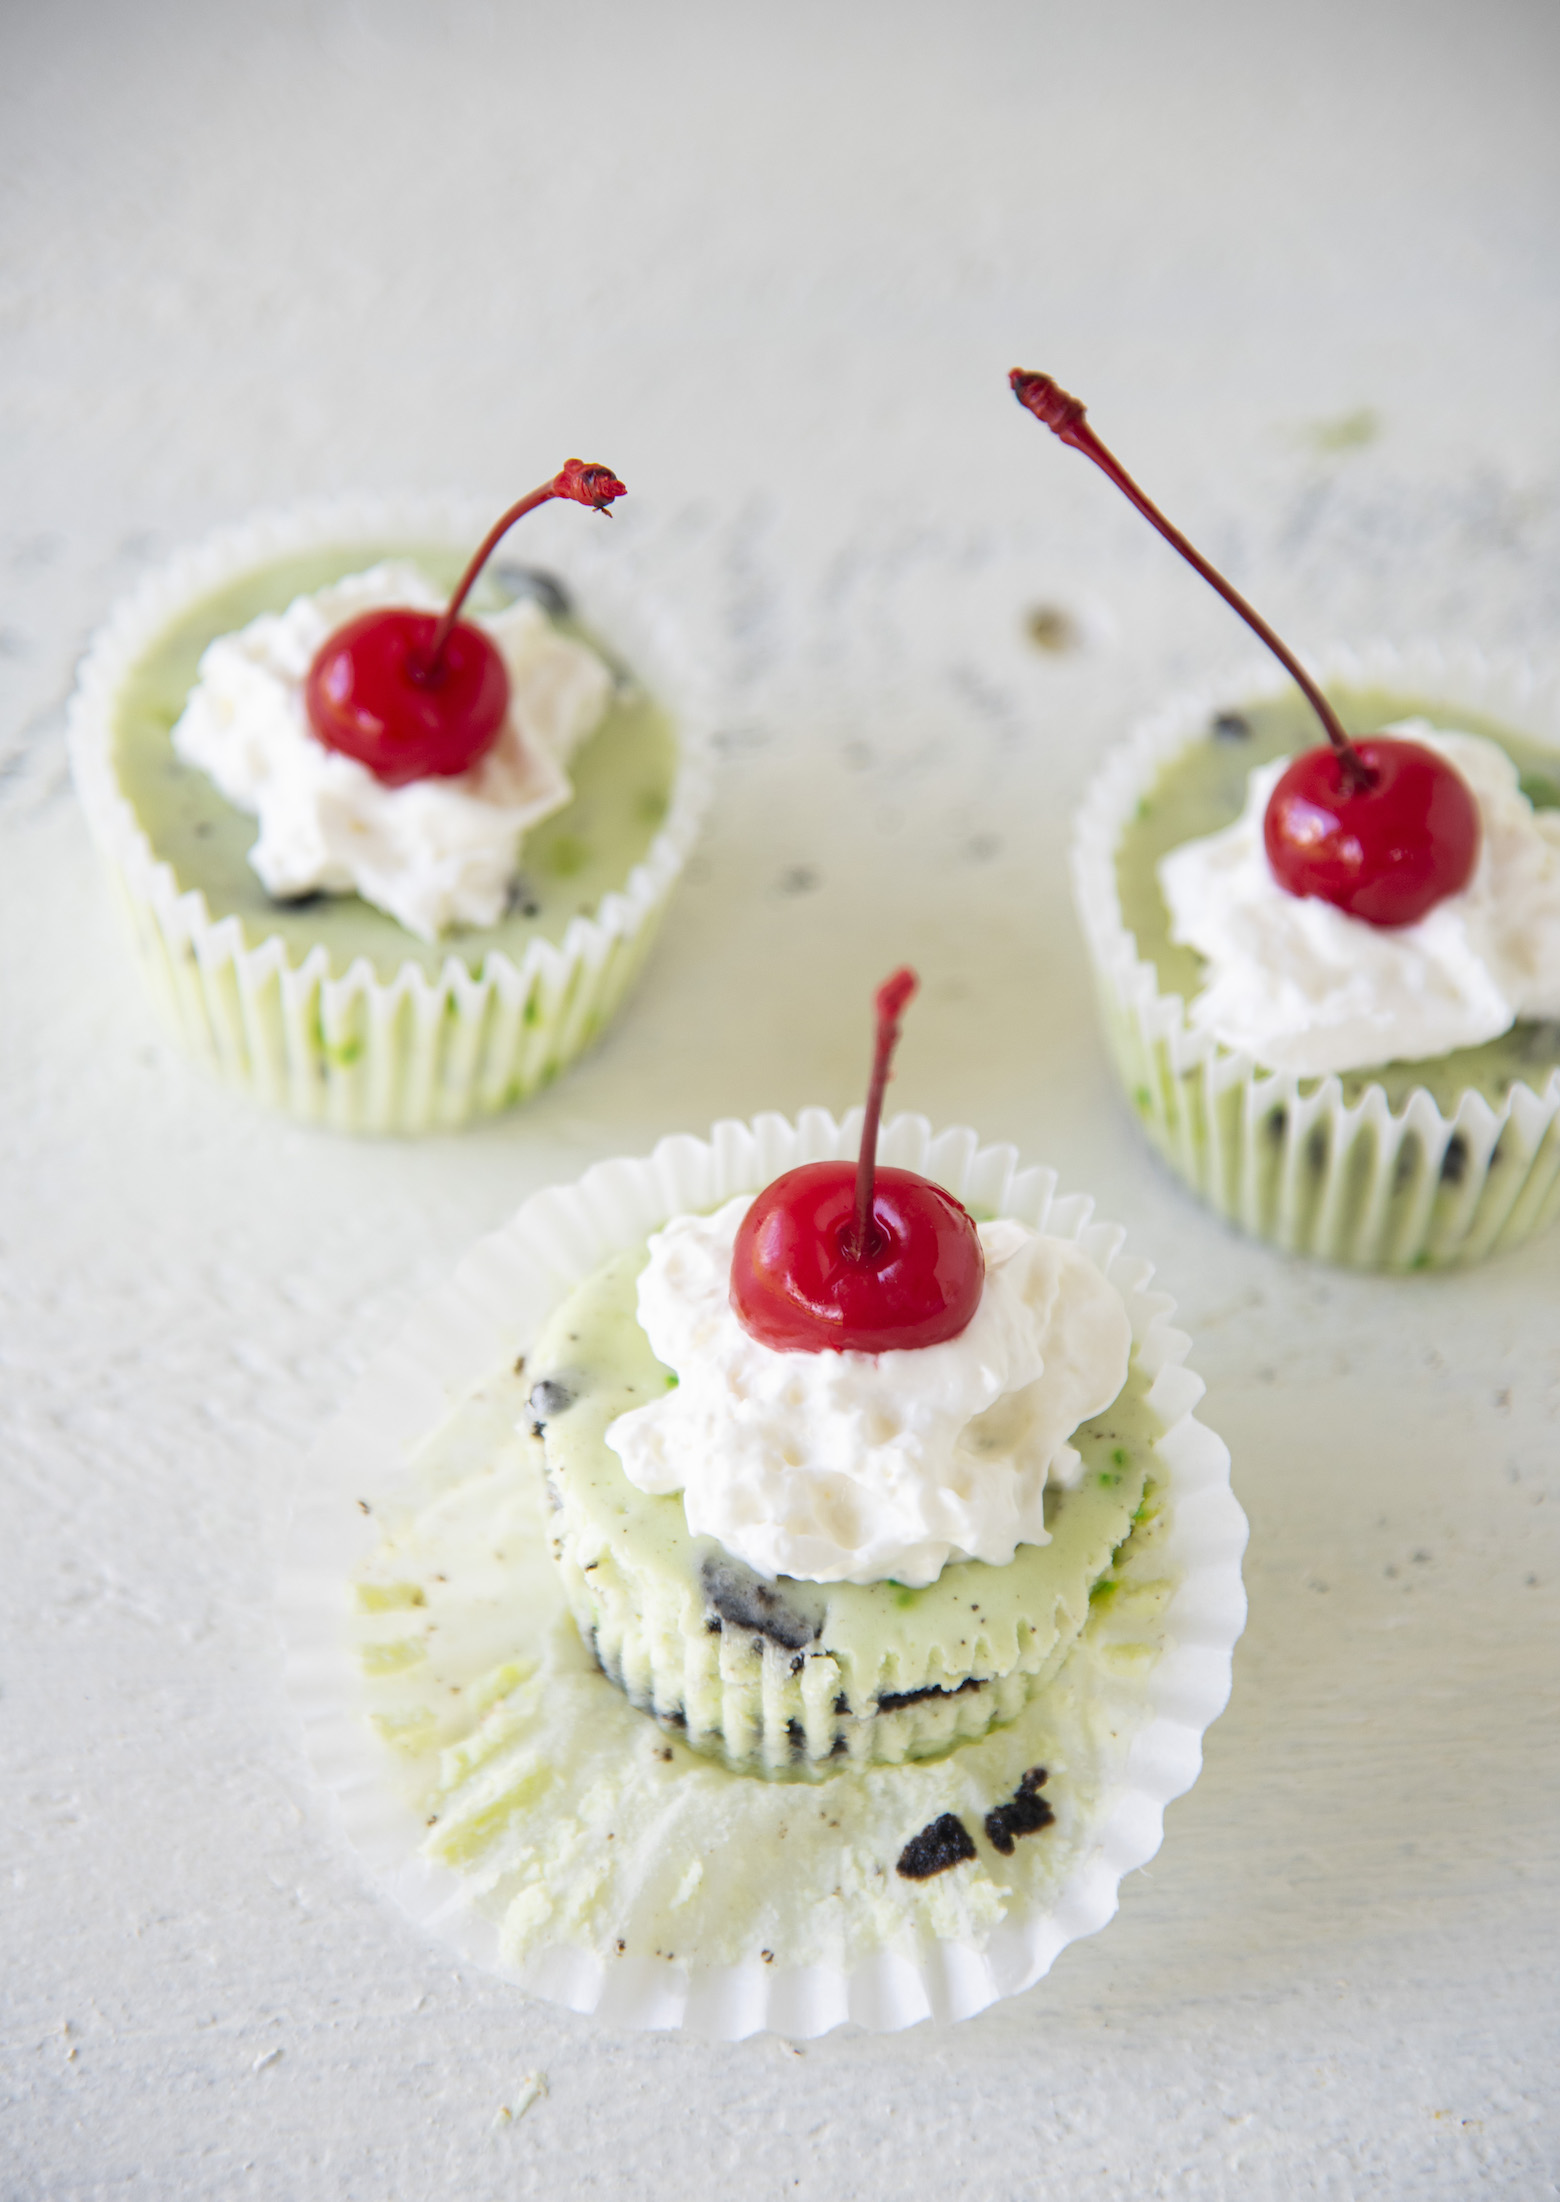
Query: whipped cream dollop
pixel 855 1467
pixel 1302 986
pixel 434 853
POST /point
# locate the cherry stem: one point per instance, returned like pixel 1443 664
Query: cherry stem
pixel 595 486
pixel 1065 416
pixel 892 998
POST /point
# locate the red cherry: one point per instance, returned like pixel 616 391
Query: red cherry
pixel 422 695
pixel 1386 851
pixel 374 693
pixel 1383 828
pixel 848 1258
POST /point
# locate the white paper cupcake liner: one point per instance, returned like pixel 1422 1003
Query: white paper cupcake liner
pixel 1288 1158
pixel 417 1051
pixel 1138 1696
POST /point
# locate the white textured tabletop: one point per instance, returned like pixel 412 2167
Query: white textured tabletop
pixel 773 266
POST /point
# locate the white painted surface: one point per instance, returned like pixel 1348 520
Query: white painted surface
pixel 774 264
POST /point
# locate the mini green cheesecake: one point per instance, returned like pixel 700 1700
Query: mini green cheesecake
pixel 622 775
pixel 1401 1165
pixel 1202 789
pixel 792 1677
pixel 326 1006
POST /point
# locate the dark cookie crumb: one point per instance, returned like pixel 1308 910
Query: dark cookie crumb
pixel 796 1736
pixel 548 1398
pixel 945 1843
pixel 896 1700
pixel 535 582
pixel 748 1602
pixel 1025 1813
pixel 1540 1043
pixel 842 1706
pixel 1229 726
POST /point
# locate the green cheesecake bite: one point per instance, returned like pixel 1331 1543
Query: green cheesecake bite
pixel 385 892
pixel 1359 1060
pixel 791 1677
pixel 622 775
pixel 599 1755
pixel 1202 789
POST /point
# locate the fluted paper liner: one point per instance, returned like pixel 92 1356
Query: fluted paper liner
pixel 1286 1157
pixel 416 1051
pixel 814 1948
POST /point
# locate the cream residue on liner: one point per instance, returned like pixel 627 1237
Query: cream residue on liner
pixel 1302 986
pixel 435 853
pixel 857 1467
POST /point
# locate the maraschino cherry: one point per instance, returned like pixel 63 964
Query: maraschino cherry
pixel 849 1258
pixel 1383 828
pixel 422 695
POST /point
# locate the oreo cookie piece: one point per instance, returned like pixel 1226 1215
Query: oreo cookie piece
pixel 744 1600
pixel 895 1701
pixel 1025 1813
pixel 774 1675
pixel 548 1398
pixel 946 1842
pixel 536 583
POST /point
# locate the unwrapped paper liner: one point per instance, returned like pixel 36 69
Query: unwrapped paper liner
pixel 476 1326
pixel 417 1051
pixel 1286 1157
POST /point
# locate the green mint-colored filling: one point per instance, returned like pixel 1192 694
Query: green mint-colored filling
pixel 622 785
pixel 1204 789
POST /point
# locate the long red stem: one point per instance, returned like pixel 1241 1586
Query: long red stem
pixel 1065 416
pixel 595 486
pixel 892 997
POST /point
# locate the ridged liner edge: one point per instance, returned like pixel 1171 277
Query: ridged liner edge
pixel 427 1052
